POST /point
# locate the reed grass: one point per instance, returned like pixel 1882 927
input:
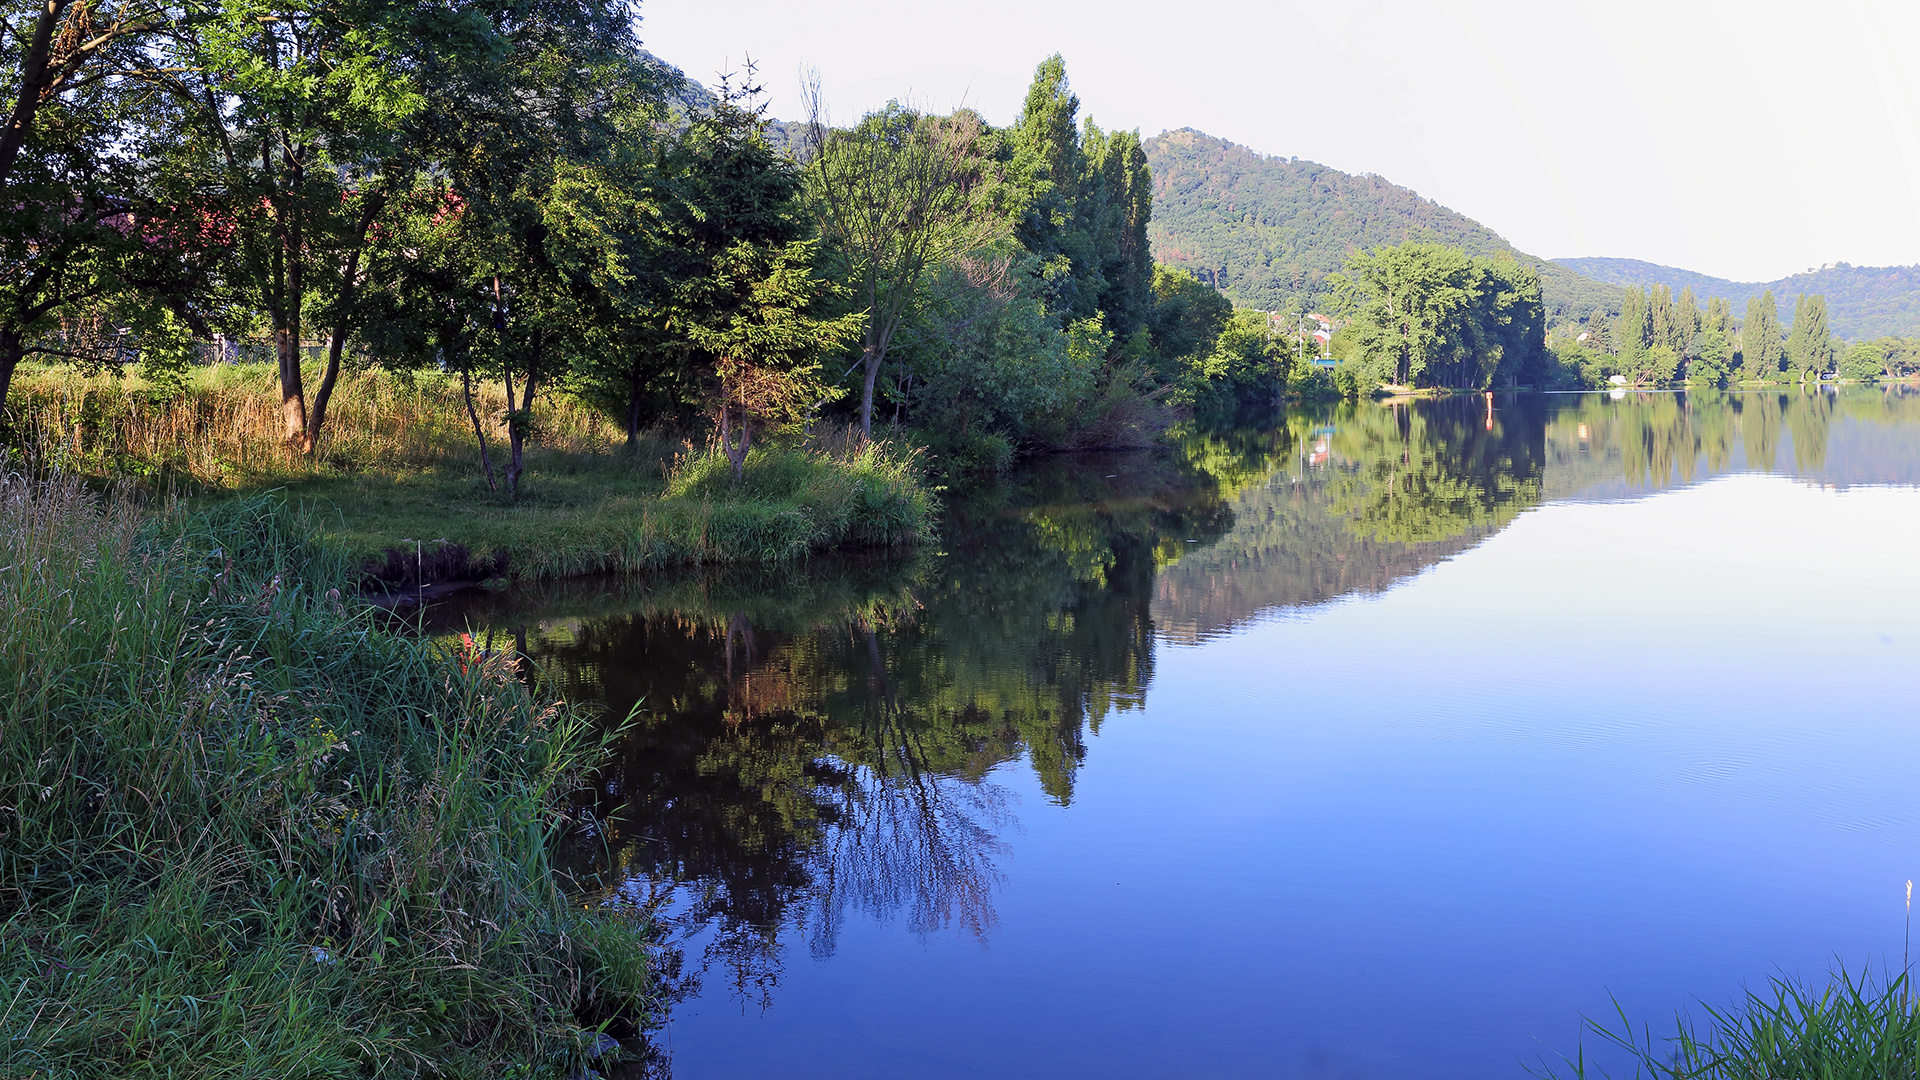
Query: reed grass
pixel 1853 1028
pixel 245 833
pixel 398 469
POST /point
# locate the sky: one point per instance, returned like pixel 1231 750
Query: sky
pixel 1747 140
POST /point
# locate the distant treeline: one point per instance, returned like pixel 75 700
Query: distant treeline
pixel 1865 302
pixel 1659 338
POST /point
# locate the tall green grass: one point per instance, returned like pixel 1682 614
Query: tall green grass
pixel 244 833
pixel 1854 1028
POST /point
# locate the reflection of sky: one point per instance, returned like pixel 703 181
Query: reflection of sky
pixel 1654 748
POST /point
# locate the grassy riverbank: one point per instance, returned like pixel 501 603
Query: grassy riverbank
pixel 245 833
pixel 398 468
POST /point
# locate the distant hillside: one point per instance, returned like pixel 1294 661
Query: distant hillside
pixel 1268 230
pixel 1862 301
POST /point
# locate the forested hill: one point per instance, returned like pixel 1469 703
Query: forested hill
pixel 1862 301
pixel 1268 230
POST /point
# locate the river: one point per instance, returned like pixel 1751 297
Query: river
pixel 1385 740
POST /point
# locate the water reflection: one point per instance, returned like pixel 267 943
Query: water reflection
pixel 1356 498
pixel 819 744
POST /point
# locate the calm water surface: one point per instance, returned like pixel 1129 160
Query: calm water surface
pixel 1384 741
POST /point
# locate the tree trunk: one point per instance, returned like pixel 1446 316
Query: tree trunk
pixel 486 461
pixel 293 395
pixel 290 282
pixel 12 349
pixel 325 392
pixel 519 419
pixel 736 450
pixel 633 407
pixel 348 279
pixel 866 393
pixel 36 80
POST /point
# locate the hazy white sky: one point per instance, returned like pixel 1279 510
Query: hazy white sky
pixel 1746 140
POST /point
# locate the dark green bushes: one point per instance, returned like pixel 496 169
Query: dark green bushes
pixel 245 833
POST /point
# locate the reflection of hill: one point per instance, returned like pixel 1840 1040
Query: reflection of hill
pixel 1289 548
pixel 1357 498
pixel 1349 500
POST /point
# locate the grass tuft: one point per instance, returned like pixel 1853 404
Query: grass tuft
pixel 245 833
pixel 1851 1029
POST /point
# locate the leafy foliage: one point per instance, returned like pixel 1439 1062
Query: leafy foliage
pixel 1428 315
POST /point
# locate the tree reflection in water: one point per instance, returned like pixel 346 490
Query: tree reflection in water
pixel 829 741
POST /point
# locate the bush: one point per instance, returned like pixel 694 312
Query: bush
pixel 1350 380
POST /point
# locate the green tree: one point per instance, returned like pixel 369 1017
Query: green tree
pixel 1809 343
pixel 895 198
pixel 1055 217
pixel 540 161
pixel 1658 365
pixel 1719 317
pixel 1122 199
pixel 1187 312
pixel 1407 303
pixel 1428 315
pixel 1662 315
pixel 1760 344
pixel 296 104
pixel 1712 361
pixel 763 326
pixel 1633 330
pixel 1684 324
pixel 1246 365
pixel 1865 361
pixel 76 158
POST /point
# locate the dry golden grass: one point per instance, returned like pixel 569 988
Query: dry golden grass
pixel 224 430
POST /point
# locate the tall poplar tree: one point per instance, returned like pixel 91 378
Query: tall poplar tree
pixel 1719 317
pixel 1685 322
pixel 1125 196
pixel 1661 312
pixel 1810 343
pixel 1633 331
pixel 1760 338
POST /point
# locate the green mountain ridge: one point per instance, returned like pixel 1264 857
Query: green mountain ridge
pixel 1862 301
pixel 1267 231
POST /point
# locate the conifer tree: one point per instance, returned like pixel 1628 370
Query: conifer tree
pixel 1051 171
